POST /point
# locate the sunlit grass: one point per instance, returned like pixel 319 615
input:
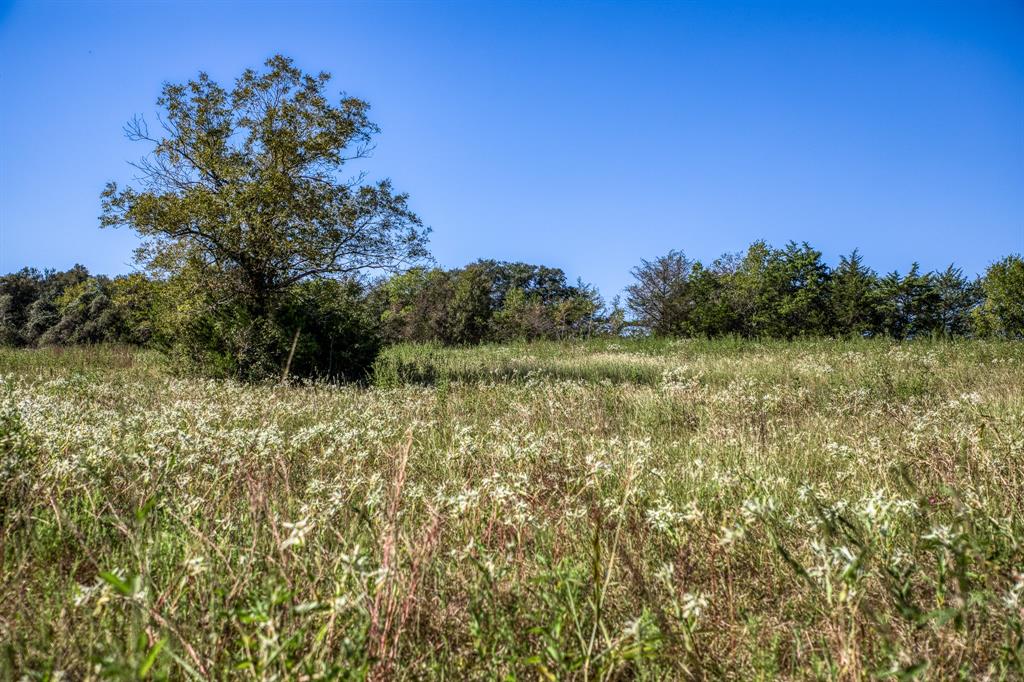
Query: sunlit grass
pixel 608 510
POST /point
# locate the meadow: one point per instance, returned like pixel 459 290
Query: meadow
pixel 603 510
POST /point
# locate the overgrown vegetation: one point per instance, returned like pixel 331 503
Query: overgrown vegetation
pixel 791 292
pixel 765 467
pixel 248 217
pixel 488 301
pixel 620 509
pixel 264 254
pixel 338 326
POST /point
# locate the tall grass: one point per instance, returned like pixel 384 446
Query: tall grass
pixel 607 510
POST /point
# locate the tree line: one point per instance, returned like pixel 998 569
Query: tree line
pixel 791 291
pixel 335 325
pixel 338 325
pixel 262 254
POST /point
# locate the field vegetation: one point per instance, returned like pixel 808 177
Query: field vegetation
pixel 266 250
pixel 615 509
pixel 290 446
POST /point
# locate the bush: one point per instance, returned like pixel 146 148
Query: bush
pixel 335 335
pixel 1002 313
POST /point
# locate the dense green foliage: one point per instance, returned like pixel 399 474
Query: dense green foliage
pixel 336 325
pixel 340 324
pixel 245 208
pixel 1002 309
pixel 789 292
pixel 488 301
pixel 617 509
pixel 72 307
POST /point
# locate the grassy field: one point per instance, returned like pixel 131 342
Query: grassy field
pixel 608 510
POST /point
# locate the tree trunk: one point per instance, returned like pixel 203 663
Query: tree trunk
pixel 291 354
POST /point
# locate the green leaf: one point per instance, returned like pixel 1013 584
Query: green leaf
pixel 114 581
pixel 151 658
pixel 143 512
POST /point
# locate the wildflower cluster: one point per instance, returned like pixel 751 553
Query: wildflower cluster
pixel 565 512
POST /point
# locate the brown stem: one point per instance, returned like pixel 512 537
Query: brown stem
pixel 291 354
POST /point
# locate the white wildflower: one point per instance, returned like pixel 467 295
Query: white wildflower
pixel 297 533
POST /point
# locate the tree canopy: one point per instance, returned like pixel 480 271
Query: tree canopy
pixel 243 195
pixel 789 292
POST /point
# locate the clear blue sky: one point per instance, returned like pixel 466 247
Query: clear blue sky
pixel 580 135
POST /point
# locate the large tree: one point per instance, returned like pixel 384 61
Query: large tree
pixel 246 190
pixel 1002 312
pixel 909 304
pixel 660 298
pixel 957 298
pixel 798 304
pixel 854 289
pixel 487 301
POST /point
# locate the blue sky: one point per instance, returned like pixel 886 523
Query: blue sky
pixel 583 135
